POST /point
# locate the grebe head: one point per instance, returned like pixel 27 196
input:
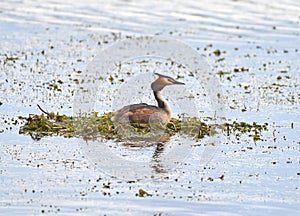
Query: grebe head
pixel 163 81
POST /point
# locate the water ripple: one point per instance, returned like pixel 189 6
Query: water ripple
pixel 262 21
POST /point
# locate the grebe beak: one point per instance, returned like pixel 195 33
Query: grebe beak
pixel 178 83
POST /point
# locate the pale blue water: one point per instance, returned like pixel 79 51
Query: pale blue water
pixel 53 40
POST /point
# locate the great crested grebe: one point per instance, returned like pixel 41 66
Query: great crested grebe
pixel 144 113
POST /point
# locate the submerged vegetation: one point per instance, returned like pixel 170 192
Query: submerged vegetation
pixel 94 125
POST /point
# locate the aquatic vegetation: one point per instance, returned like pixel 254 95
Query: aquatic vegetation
pixel 50 124
pixel 142 193
pixel 94 125
pixel 217 52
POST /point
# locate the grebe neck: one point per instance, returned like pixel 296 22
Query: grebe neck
pixel 162 102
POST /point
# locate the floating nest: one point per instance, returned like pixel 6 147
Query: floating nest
pixel 93 126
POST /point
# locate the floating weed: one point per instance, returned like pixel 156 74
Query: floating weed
pixel 10 58
pixel 217 52
pixel 48 125
pixel 242 69
pixel 142 193
pixel 94 125
pixel 53 85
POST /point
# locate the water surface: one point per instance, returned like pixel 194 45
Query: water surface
pixel 54 41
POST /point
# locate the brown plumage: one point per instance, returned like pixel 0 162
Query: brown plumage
pixel 144 113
